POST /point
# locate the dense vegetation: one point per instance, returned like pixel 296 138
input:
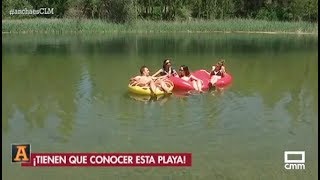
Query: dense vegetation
pixel 121 11
pixel 64 25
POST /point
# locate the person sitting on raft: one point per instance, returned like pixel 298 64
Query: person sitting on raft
pixel 146 80
pixel 166 70
pixel 217 72
pixel 186 75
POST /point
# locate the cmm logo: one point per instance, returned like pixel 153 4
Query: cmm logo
pixel 20 152
pixel 294 164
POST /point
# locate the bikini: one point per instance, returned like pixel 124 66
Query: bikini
pixel 163 73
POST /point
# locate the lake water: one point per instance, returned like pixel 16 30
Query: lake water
pixel 69 94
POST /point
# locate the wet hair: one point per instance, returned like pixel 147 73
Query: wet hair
pixel 185 70
pixel 142 69
pixel 221 62
pixel 165 63
pixel 218 66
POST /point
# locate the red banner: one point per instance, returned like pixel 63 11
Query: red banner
pixel 108 159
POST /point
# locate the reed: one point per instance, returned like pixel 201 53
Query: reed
pixel 146 26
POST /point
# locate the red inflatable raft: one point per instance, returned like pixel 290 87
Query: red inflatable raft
pixel 182 85
pixel 225 81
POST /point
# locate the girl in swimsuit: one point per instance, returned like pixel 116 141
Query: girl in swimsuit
pixel 217 72
pixel 186 75
pixel 166 70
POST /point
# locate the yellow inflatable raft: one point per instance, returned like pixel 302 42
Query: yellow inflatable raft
pixel 145 90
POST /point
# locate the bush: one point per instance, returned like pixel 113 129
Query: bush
pixel 121 11
pixel 183 14
pixel 267 14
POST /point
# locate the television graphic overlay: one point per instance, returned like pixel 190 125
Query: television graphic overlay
pixel 20 153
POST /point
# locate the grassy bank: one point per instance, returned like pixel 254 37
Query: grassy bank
pixel 140 26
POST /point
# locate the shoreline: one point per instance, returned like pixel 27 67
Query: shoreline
pixel 180 32
pixel 92 26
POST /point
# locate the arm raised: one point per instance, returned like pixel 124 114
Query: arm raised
pixel 157 73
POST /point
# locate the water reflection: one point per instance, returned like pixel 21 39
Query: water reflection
pixel 167 44
pixel 46 90
pixel 161 99
pixel 39 91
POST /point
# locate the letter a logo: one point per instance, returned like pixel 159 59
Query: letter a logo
pixel 20 152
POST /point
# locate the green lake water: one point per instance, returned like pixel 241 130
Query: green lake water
pixel 69 94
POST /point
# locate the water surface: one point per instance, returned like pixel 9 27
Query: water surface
pixel 69 94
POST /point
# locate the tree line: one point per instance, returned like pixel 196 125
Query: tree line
pixel 121 11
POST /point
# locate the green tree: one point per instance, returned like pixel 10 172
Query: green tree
pixel 8 5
